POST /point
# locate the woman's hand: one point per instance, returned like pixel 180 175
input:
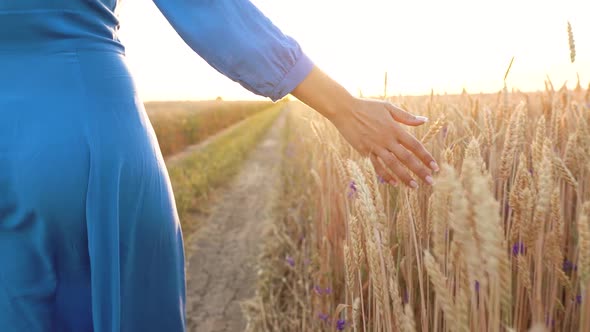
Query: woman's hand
pixel 372 127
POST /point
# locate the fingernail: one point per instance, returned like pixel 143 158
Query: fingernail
pixel 434 166
pixel 393 183
pixel 421 118
pixel 429 180
pixel 413 184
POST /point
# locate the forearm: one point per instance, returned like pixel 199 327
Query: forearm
pixel 236 39
pixel 324 95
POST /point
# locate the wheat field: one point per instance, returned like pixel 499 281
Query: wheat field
pixel 501 242
pixel 179 124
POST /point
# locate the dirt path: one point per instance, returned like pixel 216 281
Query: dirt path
pixel 222 255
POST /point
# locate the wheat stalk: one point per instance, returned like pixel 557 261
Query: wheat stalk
pixel 563 172
pixel 584 246
pixel 434 129
pixel 572 45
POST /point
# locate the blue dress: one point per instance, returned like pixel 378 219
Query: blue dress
pixel 89 235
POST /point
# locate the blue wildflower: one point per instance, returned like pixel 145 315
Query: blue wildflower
pixel 320 291
pixel 290 261
pixel 549 321
pixel 518 248
pixel 323 317
pixel 569 266
pixel 477 286
pixel 353 189
pixel 340 324
pixel 317 289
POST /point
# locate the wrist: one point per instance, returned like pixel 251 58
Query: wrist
pixel 341 108
pixel 325 95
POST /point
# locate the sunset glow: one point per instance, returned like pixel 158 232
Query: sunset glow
pixel 423 45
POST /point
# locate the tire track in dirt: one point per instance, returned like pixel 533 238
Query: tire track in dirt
pixel 222 255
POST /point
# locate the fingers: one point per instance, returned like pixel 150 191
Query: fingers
pixel 412 144
pixel 412 162
pixel 404 117
pixel 392 163
pixel 382 170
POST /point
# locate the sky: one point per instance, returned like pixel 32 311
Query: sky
pixel 422 44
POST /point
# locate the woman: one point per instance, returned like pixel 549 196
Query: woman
pixel 89 234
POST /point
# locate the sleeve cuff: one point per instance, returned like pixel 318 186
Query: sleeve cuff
pixel 296 75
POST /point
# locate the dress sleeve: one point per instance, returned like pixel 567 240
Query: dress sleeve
pixel 236 39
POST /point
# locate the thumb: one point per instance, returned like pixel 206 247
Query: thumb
pixel 404 117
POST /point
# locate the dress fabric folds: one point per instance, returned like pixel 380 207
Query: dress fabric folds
pixel 89 235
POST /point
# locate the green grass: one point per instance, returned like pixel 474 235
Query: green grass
pixel 195 177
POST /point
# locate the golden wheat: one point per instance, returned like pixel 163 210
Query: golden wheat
pixel 500 243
